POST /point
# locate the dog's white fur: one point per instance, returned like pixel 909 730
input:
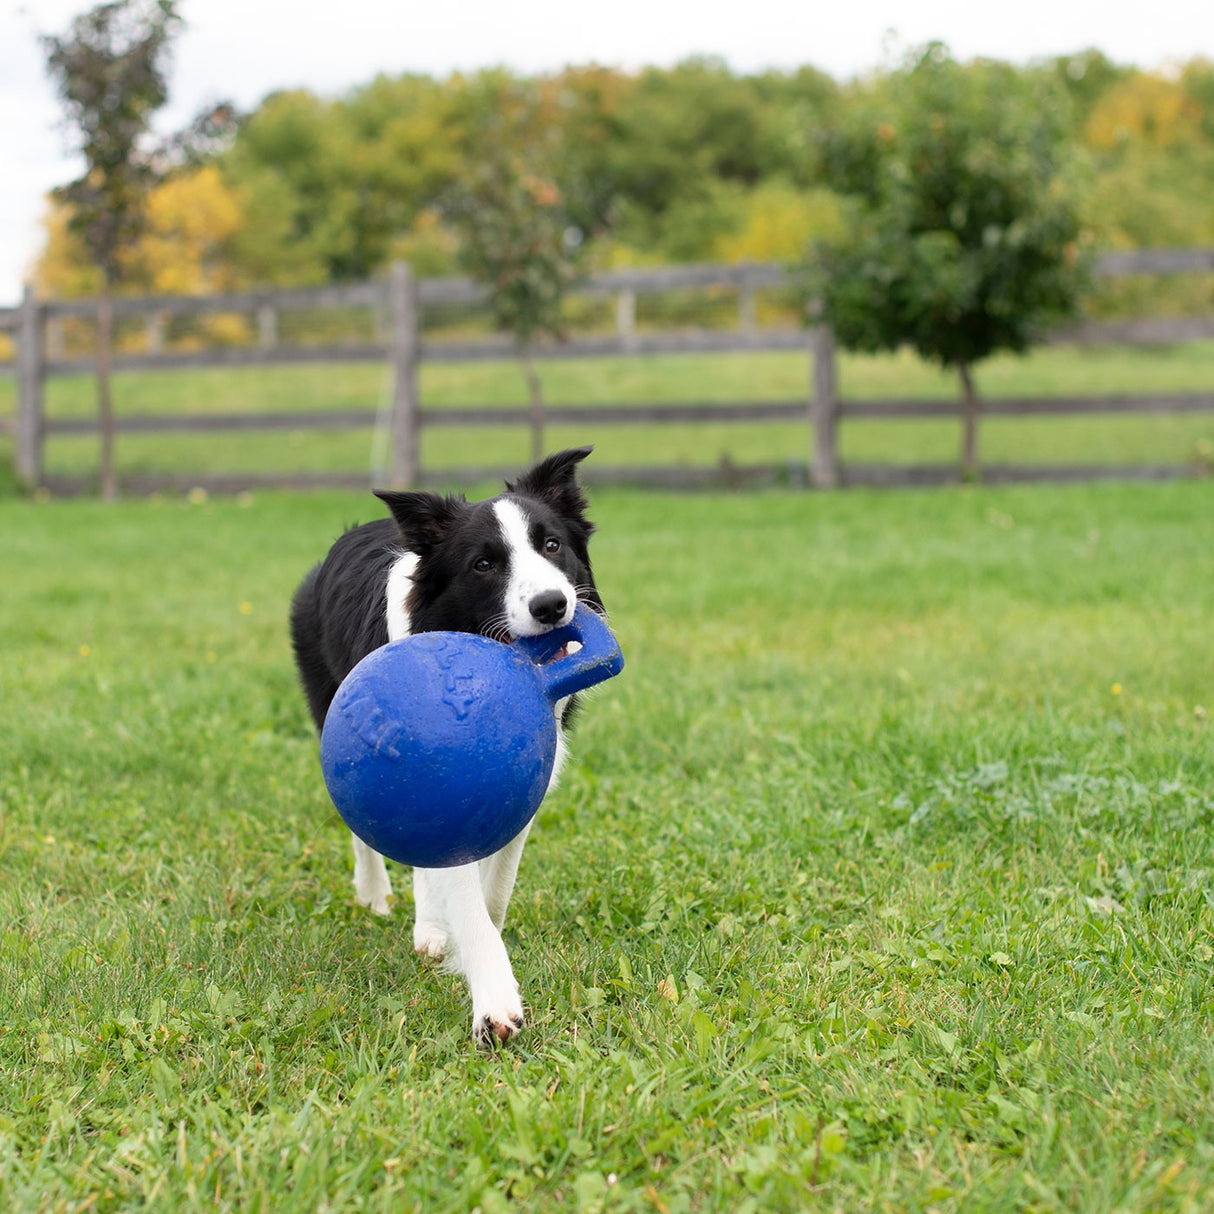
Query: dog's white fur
pixel 459 912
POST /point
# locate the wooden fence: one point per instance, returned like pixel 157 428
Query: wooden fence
pixel 402 303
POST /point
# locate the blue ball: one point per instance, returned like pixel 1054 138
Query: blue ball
pixel 438 748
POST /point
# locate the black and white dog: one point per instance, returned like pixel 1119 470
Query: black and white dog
pixel 512 565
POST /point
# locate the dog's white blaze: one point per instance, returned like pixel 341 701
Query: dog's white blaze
pixel 530 574
pixel 400 582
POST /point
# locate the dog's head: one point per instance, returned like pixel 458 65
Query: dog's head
pixel 512 565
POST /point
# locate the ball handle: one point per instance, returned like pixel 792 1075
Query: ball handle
pixel 599 657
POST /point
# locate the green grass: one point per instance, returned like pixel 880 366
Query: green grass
pixel 880 880
pixel 1052 371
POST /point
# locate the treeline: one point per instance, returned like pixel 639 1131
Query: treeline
pixel 688 163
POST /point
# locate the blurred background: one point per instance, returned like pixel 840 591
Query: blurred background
pixel 540 157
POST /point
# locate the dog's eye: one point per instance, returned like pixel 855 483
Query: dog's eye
pixel 482 564
pixel 552 544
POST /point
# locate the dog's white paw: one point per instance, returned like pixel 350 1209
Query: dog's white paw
pixel 429 941
pixel 375 898
pixel 495 1021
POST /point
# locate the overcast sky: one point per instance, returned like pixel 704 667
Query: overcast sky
pixel 244 49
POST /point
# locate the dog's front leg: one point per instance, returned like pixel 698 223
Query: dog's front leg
pixel 498 873
pixel 430 922
pixel 372 886
pixel 476 950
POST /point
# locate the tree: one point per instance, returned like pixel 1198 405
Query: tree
pixel 332 187
pixel 109 71
pixel 515 221
pixel 963 232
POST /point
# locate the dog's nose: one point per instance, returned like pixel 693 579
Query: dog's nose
pixel 548 607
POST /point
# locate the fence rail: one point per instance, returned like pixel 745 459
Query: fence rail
pixel 401 303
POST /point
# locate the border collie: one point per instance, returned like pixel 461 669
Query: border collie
pixel 512 565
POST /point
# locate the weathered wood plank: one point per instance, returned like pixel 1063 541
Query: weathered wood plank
pixel 212 482
pixel 204 423
pixel 690 341
pixel 904 475
pixel 370 293
pixel 670 477
pixel 824 410
pixel 616 414
pixel 1154 261
pixel 1139 331
pixel 1160 402
pixel 405 425
pixel 454 415
pixel 228 356
pixel 645 280
pixel 29 428
pixel 637 414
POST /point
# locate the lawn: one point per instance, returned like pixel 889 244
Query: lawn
pixel 1050 371
pixel 880 880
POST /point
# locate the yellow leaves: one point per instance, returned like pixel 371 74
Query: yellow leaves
pixel 190 219
pixel 778 223
pixel 197 206
pixel 64 269
pixel 1143 108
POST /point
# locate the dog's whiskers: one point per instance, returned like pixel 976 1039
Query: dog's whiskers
pixel 497 628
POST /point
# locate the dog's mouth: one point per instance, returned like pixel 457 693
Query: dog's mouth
pixel 569 647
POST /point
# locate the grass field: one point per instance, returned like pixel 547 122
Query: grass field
pixel 1051 371
pixel 881 879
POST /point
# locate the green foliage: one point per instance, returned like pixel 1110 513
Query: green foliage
pixel 963 232
pixel 683 163
pixel 1197 80
pixel 1085 78
pixel 109 71
pixel 882 889
pixel 514 218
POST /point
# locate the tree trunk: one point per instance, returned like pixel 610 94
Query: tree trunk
pixel 105 400
pixel 969 423
pixel 536 391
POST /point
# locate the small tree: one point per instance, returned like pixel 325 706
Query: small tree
pixel 962 236
pixel 109 71
pixel 517 231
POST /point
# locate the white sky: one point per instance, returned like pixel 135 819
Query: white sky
pixel 244 49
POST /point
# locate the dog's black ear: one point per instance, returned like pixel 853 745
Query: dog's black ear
pixel 423 518
pixel 554 481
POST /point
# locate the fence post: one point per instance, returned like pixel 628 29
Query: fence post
pixel 626 315
pixel 30 375
pixel 748 309
pixel 154 328
pixel 405 353
pixel 824 409
pixel 267 326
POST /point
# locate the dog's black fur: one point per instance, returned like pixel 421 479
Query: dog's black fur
pixel 338 614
